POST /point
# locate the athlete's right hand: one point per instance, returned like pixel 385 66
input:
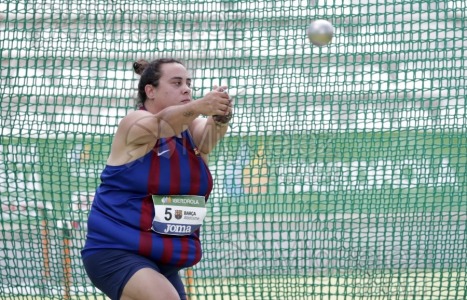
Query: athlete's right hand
pixel 215 102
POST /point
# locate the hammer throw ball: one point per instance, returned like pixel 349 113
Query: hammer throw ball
pixel 320 32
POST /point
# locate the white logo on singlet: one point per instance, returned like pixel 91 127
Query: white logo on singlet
pixel 159 153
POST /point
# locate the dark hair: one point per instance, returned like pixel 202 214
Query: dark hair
pixel 150 74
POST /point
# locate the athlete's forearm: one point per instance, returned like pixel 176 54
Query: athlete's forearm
pixel 175 119
pixel 211 134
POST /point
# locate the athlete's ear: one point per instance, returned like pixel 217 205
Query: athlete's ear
pixel 150 91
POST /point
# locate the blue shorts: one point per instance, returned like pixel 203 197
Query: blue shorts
pixel 111 269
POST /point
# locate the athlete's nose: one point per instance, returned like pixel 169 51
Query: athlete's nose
pixel 187 89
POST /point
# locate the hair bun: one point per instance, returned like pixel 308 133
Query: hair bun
pixel 139 66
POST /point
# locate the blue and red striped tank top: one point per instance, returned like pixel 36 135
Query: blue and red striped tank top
pixel 122 211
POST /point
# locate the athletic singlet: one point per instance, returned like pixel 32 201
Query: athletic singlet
pixel 122 211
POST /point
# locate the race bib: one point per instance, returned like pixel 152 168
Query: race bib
pixel 179 214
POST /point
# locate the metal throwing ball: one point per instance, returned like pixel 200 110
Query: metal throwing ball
pixel 320 32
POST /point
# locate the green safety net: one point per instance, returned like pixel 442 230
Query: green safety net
pixel 342 176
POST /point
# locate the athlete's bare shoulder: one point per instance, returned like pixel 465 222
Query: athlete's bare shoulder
pixel 135 117
pixel 134 137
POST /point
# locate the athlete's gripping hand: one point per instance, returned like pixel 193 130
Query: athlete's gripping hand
pixel 223 120
pixel 216 102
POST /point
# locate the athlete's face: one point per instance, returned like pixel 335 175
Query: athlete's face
pixel 174 86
